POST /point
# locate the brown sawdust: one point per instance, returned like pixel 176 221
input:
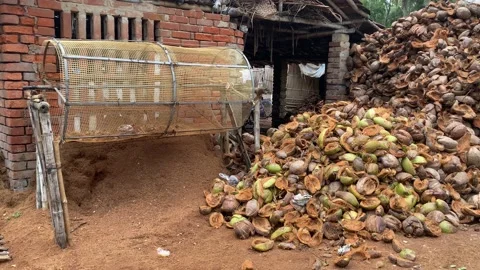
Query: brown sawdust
pixel 127 199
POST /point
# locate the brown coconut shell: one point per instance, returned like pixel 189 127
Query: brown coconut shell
pixel 352 225
pixel 216 220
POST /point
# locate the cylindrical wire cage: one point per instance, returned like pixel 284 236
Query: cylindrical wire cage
pixel 109 90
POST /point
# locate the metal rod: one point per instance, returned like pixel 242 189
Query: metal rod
pixel 67 83
pixel 174 85
pixel 119 104
pixel 69 56
pixel 149 134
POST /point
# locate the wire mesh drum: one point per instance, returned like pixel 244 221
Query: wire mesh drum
pixel 109 90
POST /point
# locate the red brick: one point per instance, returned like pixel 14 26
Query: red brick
pixel 17 67
pixel 240 41
pixel 9 39
pixel 50 4
pixel 179 19
pixel 27 21
pixel 190 43
pixel 238 33
pixel 27 39
pixel 12 113
pixel 16 131
pixel 227 32
pixel 30 3
pixel 14 149
pixel 226 18
pixel 154 16
pixel 28 131
pixel 179 12
pixel 221 44
pixel 30 58
pixel 40 12
pixel 66 29
pixel 192 20
pixel 212 16
pixel 15 85
pixel 11 9
pixel 165 33
pixel 221 38
pixel 31 147
pixel 181 35
pixel 10 76
pixel 193 14
pixel 9 19
pixel 122 4
pixel 50 68
pixel 171 41
pixel 204 37
pixel 15 104
pixel 189 28
pixel 22 156
pixel 14 48
pixel 208 44
pixel 164 10
pixel 97 26
pixel 10 2
pixel 205 22
pixel 210 30
pixel 15 29
pixel 45 22
pixel 169 26
pixel 45 31
pixel 17 122
pixel 19 139
pixel 9 57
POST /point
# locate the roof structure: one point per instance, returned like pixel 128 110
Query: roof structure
pixel 296 29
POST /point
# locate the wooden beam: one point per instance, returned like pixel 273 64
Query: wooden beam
pixel 320 34
pixel 277 18
pixel 337 9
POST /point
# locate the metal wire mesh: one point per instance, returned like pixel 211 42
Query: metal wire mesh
pixel 112 89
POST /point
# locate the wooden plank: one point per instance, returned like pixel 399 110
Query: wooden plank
pixel 56 208
pixel 62 189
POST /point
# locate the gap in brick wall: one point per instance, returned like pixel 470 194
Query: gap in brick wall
pixel 89 25
pixel 103 27
pixel 144 29
pixel 74 25
pixel 131 29
pixel 156 29
pixel 118 27
pixel 57 23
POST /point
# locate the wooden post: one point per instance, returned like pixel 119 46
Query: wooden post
pixel 62 189
pixel 56 208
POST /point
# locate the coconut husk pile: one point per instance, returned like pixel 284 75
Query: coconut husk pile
pixel 348 174
pixel 427 61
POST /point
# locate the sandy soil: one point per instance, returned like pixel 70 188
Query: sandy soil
pixel 126 200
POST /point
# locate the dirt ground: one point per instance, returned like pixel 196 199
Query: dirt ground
pixel 126 200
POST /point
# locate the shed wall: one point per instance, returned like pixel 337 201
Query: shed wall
pixel 25 24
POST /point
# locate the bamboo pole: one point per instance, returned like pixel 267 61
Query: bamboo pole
pixel 61 185
pixel 256 118
pixel 56 208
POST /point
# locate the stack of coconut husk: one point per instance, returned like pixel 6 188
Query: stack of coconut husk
pixel 348 174
pixel 4 253
pixel 428 60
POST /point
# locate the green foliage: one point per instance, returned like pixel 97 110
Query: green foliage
pixel 387 11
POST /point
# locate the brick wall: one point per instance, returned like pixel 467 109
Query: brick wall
pixel 25 24
pixel 337 68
